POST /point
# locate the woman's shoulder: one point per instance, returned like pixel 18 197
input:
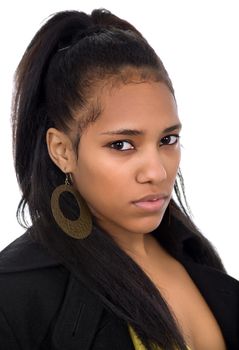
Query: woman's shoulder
pixel 32 286
pixel 25 254
pixel 27 267
pixel 44 305
pixel 40 300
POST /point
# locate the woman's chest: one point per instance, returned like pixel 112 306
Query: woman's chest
pixel 190 309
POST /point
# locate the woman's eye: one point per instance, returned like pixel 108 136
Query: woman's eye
pixel 169 140
pixel 121 145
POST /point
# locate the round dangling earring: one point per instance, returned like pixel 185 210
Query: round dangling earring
pixel 82 226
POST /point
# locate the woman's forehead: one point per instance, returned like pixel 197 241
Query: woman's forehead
pixel 136 99
pixel 136 106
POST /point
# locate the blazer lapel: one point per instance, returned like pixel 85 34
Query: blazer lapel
pixel 79 320
pixel 221 292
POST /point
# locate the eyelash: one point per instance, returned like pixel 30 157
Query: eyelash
pixel 111 145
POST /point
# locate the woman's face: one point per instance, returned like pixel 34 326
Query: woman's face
pixel 130 152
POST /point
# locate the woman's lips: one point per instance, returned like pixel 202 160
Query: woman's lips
pixel 151 205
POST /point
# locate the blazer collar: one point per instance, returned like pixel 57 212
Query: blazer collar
pixel 25 254
pixel 221 293
pixel 81 312
pixel 219 290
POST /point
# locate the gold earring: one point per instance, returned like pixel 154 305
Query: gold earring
pixel 79 228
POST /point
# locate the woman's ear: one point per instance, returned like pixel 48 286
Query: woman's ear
pixel 60 150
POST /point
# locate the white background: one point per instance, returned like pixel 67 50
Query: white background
pixel 198 43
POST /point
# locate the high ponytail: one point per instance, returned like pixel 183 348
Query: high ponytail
pixel 60 70
pixel 29 113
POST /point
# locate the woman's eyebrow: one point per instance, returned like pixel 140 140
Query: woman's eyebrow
pixel 135 132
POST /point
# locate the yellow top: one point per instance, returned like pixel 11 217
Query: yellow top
pixel 137 342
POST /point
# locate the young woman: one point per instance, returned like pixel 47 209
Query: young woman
pixel 111 260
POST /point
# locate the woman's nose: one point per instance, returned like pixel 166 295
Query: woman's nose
pixel 152 170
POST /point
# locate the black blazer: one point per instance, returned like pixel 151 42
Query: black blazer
pixel 43 306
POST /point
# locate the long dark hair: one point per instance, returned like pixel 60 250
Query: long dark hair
pixel 69 58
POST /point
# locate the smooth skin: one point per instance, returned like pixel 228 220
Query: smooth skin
pixel 110 175
pixel 132 150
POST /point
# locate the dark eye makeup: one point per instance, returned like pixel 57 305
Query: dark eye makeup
pixel 127 145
